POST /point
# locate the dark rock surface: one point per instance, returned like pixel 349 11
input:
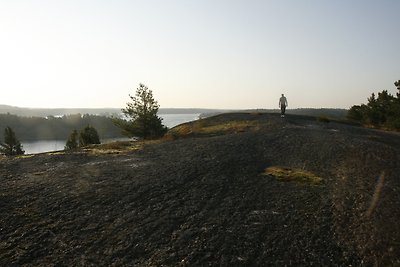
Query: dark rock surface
pixel 204 201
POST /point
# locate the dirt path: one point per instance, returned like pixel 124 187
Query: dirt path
pixel 203 200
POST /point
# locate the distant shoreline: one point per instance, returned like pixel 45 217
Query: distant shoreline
pixel 335 113
pixel 45 112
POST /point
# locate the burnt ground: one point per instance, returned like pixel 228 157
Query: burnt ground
pixel 203 200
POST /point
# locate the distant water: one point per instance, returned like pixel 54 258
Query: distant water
pixel 169 120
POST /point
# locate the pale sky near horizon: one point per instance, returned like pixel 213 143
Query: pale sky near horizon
pixel 203 54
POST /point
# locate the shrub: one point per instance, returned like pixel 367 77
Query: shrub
pixel 89 136
pixel 72 141
pixel 11 145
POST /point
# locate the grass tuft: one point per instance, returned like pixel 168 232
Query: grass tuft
pixel 297 175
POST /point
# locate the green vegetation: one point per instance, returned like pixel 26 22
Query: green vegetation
pixel 89 136
pixel 57 128
pixel 143 121
pixel 11 145
pixel 72 141
pixel 382 111
pixel 297 175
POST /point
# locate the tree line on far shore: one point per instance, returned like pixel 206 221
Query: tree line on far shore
pixel 57 128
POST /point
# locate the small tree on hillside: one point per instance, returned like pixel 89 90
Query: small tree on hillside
pixel 142 116
pixel 89 136
pixel 11 145
pixel 72 141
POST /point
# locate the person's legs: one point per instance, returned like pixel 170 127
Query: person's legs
pixel 283 109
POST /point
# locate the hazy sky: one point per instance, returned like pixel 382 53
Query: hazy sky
pixel 198 53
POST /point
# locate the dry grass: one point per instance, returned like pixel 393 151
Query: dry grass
pixel 203 127
pixel 228 127
pixel 297 175
pixel 56 153
pixel 25 156
pixel 117 147
pixel 120 147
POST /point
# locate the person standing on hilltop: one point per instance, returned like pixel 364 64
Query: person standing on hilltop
pixel 283 104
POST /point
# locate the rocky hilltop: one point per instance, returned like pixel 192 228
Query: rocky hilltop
pixel 241 189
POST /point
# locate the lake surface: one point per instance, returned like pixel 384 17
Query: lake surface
pixel 169 120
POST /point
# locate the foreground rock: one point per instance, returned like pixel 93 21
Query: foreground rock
pixel 202 197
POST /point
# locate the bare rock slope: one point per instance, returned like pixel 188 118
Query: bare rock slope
pixel 202 197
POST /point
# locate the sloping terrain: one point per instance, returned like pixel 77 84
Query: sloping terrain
pixel 202 197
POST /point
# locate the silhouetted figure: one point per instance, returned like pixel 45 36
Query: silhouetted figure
pixel 283 104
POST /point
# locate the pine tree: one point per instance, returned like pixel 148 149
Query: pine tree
pixel 11 145
pixel 397 84
pixel 89 136
pixel 142 116
pixel 72 141
pixel 380 111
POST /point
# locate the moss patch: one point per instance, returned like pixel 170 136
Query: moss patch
pixel 297 175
